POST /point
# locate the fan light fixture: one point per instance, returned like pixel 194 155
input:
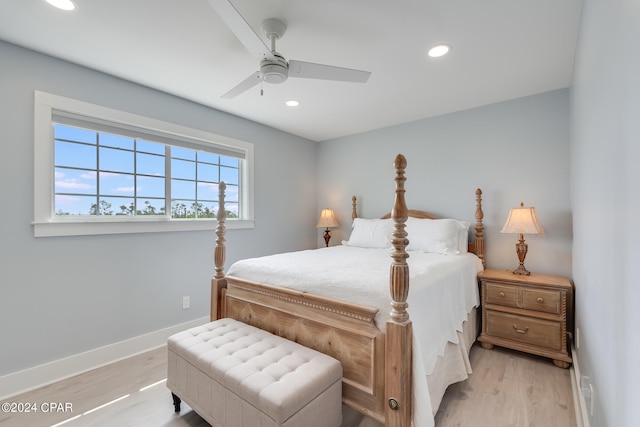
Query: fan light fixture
pixel 274 68
pixel 62 4
pixel 439 50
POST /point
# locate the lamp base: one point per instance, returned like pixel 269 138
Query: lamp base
pixel 521 250
pixel 327 236
pixel 521 271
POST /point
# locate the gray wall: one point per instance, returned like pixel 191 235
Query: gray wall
pixel 63 296
pixel 605 153
pixel 516 151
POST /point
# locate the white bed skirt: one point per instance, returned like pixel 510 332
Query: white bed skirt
pixel 454 365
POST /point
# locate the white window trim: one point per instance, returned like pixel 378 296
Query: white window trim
pixel 46 225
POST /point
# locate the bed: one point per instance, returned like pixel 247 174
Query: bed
pixel 397 363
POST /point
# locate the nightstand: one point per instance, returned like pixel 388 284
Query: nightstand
pixel 527 313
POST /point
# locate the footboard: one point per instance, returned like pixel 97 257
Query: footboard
pixel 342 330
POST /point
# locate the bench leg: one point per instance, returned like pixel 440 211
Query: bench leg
pixel 176 402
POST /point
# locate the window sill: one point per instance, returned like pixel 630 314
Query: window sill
pixel 89 228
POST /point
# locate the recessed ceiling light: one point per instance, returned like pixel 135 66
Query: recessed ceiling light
pixel 439 50
pixel 292 103
pixel 62 4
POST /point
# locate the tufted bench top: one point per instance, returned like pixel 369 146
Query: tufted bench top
pixel 272 373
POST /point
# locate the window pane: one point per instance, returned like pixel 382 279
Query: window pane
pixel 73 205
pixel 150 164
pixel 150 147
pixel 207 191
pixel 231 193
pixel 183 189
pixel 116 184
pixel 207 172
pixel 183 153
pixel 75 155
pixel 116 160
pixel 208 157
pixel 150 207
pixel 228 175
pixel 116 141
pixel 125 207
pixel 115 205
pixel 229 161
pixel 208 210
pixel 183 169
pixel 232 210
pixel 75 181
pixel 108 206
pixel 182 209
pixel 74 134
pixel 150 186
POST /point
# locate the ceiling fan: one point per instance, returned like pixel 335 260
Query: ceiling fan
pixel 274 68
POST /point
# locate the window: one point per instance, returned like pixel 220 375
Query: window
pixel 99 171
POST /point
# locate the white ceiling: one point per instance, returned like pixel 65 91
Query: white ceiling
pixel 502 49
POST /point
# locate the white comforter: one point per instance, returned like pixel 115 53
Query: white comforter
pixel 442 291
pixel 442 288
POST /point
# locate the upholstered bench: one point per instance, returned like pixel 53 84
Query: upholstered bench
pixel 236 375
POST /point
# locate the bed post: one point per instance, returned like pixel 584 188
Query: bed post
pixel 479 235
pixel 398 354
pixel 219 283
pixel 354 212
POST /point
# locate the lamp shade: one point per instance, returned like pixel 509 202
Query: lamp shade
pixel 327 219
pixel 522 221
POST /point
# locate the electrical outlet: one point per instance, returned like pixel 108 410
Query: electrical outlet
pixel 586 387
pixel 186 302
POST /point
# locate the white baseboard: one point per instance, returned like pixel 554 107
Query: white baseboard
pixel 579 404
pixel 38 376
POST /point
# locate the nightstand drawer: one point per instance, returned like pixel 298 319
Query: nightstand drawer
pixel 541 300
pixel 537 332
pixel 502 294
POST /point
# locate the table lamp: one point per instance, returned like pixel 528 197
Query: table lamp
pixel 327 221
pixel 522 221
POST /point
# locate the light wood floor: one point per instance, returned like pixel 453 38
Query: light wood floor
pixel 507 388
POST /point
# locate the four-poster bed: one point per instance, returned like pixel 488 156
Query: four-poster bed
pixel 377 349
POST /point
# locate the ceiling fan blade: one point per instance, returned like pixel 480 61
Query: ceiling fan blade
pixel 309 70
pixel 240 28
pixel 243 86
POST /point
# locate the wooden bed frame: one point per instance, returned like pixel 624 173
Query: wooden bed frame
pixel 377 364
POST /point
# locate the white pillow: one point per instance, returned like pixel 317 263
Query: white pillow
pixel 440 236
pixel 463 243
pixel 370 233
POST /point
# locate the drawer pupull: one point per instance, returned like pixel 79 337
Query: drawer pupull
pixel 520 331
pixel 501 294
pixel 540 300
